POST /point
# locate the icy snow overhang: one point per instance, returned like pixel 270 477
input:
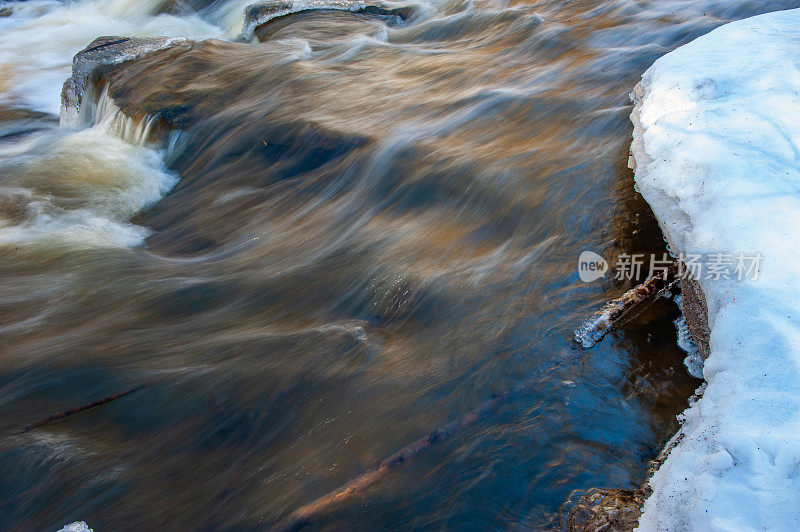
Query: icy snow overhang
pixel 716 153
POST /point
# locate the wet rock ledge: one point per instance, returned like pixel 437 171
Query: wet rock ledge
pixel 101 59
pixel 100 54
pixel 259 15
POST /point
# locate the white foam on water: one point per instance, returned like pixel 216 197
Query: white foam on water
pixel 230 17
pixel 40 38
pixel 81 188
pixel 78 188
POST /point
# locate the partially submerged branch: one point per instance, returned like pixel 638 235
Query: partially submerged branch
pixel 616 310
pixel 82 408
pixel 306 514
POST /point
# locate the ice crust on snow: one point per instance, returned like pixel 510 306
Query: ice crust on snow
pixel 717 156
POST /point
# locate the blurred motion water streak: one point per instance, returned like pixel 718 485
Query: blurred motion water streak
pixel 318 248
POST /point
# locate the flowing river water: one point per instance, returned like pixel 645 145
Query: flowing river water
pixel 364 230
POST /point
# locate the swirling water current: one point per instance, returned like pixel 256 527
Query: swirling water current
pixel 363 230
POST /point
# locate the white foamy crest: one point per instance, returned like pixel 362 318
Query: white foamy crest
pixel 80 188
pixel 40 38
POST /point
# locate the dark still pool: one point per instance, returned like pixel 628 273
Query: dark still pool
pixel 344 234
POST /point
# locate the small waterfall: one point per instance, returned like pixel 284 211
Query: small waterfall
pixel 101 111
pixel 80 185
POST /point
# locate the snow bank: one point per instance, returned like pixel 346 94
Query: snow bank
pixel 717 155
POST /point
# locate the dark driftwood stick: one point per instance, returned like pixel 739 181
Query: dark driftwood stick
pixel 601 324
pixel 305 515
pixel 67 413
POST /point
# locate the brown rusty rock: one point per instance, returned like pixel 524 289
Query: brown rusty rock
pixel 604 509
pixel 696 313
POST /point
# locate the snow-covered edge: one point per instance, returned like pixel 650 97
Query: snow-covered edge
pixel 716 152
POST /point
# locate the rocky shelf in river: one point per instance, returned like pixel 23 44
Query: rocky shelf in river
pixel 259 15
